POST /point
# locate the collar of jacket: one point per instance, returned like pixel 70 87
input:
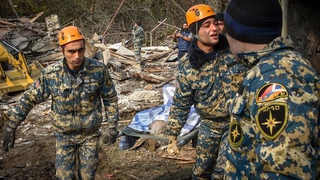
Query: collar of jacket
pixel 197 57
pixel 251 58
pixel 82 68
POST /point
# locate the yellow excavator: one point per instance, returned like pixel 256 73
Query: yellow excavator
pixel 15 73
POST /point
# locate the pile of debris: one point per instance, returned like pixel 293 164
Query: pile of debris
pixel 138 90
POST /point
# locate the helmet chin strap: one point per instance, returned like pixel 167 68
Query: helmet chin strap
pixel 198 38
pixel 196 35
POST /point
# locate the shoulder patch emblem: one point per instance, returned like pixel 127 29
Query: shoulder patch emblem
pixel 272 119
pixel 235 135
pixel 271 91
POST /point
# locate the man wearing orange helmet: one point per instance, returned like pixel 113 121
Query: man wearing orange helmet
pixel 208 78
pixel 78 86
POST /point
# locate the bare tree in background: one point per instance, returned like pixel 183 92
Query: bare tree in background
pixel 93 16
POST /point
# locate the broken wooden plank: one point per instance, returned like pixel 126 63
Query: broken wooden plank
pixel 121 55
pixel 150 77
pixel 159 56
pixel 8 23
pixel 123 59
pixel 21 25
pixel 167 64
pixel 36 17
pixel 157 69
pixel 119 77
pixel 174 51
pixel 146 77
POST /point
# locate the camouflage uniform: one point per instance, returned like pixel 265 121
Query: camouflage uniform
pixel 138 35
pixel 209 89
pixel 274 128
pixel 76 113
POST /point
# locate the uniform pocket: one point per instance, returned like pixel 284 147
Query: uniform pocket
pixel 89 97
pixel 60 95
pixel 61 101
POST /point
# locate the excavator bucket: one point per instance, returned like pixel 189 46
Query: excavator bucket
pixel 15 74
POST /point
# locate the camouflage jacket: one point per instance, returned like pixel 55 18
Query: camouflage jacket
pixel 138 34
pixel 76 102
pixel 274 128
pixel 209 88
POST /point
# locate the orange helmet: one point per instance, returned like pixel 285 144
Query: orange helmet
pixel 69 34
pixel 198 12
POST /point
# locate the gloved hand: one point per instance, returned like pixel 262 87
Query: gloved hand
pixel 111 137
pixel 172 148
pixel 8 139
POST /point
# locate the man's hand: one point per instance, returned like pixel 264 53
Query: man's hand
pixel 172 148
pixel 111 137
pixel 8 139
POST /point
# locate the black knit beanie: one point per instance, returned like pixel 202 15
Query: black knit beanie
pixel 253 21
pixel 193 27
pixel 219 16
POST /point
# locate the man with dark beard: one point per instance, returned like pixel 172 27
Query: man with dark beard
pixel 183 37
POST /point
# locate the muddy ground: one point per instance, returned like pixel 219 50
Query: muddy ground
pixel 35 158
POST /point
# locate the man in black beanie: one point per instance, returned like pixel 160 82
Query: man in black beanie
pixel 220 17
pixel 274 128
pixel 208 78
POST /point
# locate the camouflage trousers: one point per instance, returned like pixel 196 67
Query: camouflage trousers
pixel 137 51
pixel 218 172
pixel 76 156
pixel 207 149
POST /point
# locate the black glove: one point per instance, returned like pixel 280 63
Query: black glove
pixel 8 139
pixel 111 137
